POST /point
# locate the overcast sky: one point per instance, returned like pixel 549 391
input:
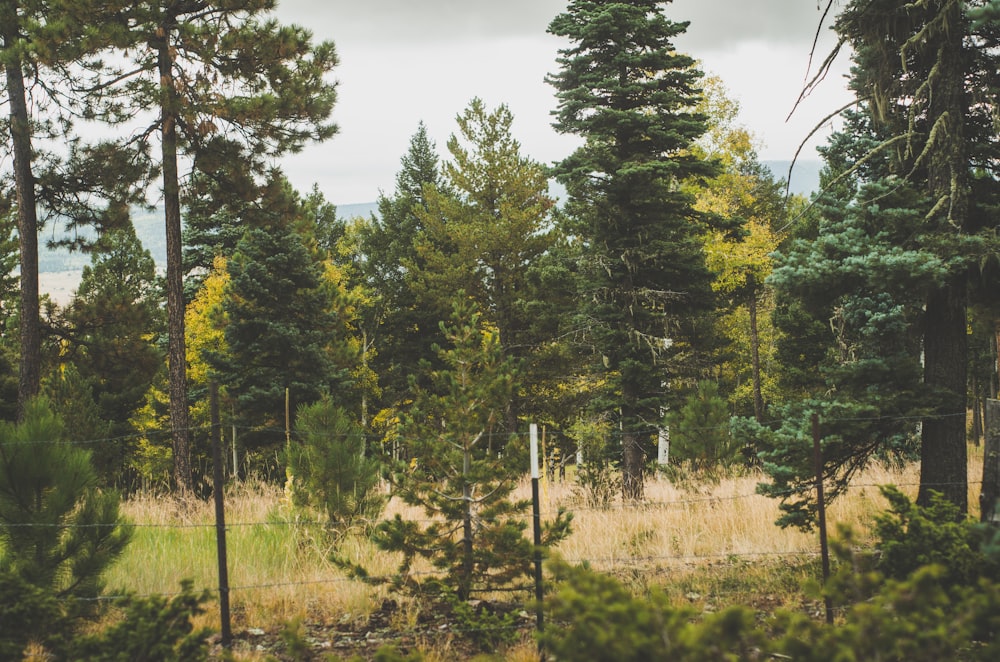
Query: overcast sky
pixel 403 61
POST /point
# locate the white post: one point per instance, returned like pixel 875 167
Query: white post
pixel 663 447
pixel 533 430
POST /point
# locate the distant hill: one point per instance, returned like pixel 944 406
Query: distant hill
pixel 150 229
pixel 362 209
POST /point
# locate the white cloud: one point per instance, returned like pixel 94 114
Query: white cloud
pixel 403 61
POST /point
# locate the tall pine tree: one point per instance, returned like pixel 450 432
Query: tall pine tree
pixel 625 89
pixel 214 68
pixel 485 230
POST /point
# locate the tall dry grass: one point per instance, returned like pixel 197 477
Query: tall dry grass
pixel 714 542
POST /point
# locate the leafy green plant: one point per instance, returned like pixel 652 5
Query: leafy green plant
pixel 594 617
pixel 912 536
pixel 28 614
pixel 478 622
pixel 57 530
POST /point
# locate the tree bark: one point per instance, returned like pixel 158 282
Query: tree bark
pixel 176 352
pixel 943 452
pixel 943 455
pixel 991 465
pixel 633 460
pixel 758 397
pixel 27 216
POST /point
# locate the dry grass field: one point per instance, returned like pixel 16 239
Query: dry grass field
pixel 711 545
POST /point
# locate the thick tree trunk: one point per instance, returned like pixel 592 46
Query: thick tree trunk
pixel 991 465
pixel 176 354
pixel 943 453
pixel 27 217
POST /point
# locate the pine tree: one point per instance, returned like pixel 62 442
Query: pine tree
pixel 625 89
pixel 57 531
pixel 485 230
pixel 109 335
pixel 329 469
pixel 456 472
pixel 40 43
pixel 210 69
pixel 400 331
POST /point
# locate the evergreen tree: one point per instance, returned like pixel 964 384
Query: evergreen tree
pixel 699 431
pixel 456 473
pixel 329 470
pixel 109 333
pixel 210 69
pixel 282 328
pixel 903 232
pixel 484 232
pixel 57 531
pixel 400 331
pixel 864 274
pixel 41 42
pixel 625 89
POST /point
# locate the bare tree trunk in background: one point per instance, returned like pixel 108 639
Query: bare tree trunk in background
pixel 176 354
pixel 27 216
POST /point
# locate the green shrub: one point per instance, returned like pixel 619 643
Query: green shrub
pixel 594 617
pixel 329 469
pixel 699 432
pixel 152 628
pixel 912 537
pixel 598 482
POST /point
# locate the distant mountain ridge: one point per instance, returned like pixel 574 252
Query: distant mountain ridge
pixel 149 226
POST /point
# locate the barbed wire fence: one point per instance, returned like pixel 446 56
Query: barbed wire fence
pixel 225 590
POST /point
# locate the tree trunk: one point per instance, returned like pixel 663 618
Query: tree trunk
pixel 991 465
pixel 633 460
pixel 27 216
pixel 943 453
pixel 758 397
pixel 176 354
pixel 977 420
pixel 468 562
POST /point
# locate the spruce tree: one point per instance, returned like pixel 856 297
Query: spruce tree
pixel 282 328
pixel 400 330
pixel 632 97
pixel 904 232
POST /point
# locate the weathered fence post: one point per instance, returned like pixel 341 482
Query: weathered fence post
pixel 991 465
pixel 218 486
